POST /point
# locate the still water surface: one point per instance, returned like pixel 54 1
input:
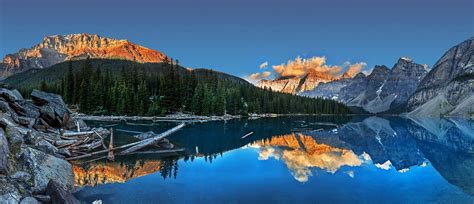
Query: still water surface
pixel 292 160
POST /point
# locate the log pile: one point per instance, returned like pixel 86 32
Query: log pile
pixel 148 139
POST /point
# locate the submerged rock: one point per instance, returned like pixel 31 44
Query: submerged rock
pixel 44 167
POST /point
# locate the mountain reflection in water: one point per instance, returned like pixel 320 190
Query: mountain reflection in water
pixel 343 146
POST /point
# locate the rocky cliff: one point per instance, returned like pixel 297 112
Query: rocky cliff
pixel 60 48
pixel 448 88
pixel 382 90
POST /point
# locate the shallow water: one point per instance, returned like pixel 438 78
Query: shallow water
pixel 292 159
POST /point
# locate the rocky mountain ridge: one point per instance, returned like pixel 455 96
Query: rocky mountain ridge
pixel 448 89
pixel 59 48
pixel 295 84
pixel 381 90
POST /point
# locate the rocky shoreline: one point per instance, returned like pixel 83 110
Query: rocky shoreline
pixel 32 169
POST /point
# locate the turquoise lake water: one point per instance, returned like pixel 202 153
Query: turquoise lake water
pixel 292 160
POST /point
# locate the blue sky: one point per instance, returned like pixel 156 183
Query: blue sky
pixel 237 36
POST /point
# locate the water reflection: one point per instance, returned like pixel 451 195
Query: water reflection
pixel 326 144
pixel 301 152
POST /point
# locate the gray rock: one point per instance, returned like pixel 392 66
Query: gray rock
pixel 53 109
pixel 21 176
pixel 4 107
pixel 17 94
pixel 44 167
pixel 29 109
pixel 26 121
pixel 9 95
pixel 16 134
pixel 8 193
pixel 4 152
pixel 46 147
pixel 29 200
pixel 10 198
pixel 59 195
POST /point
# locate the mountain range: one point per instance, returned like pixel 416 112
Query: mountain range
pixel 407 86
pixel 445 90
pixel 59 48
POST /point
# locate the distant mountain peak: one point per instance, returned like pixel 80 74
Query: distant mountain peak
pixel 55 49
pixel 405 59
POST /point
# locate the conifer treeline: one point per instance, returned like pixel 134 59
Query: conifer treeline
pixel 134 91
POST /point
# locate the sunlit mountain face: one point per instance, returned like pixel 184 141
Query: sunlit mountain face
pixel 432 157
pixel 301 152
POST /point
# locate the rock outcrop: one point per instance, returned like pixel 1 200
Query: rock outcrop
pixel 60 48
pixel 448 89
pixel 28 159
pixel 44 167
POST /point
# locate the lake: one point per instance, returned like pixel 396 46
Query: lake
pixel 298 159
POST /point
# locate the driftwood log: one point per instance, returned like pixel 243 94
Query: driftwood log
pixel 132 147
pixel 152 140
pixel 111 156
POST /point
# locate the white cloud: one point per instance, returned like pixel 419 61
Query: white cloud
pixel 263 65
pixel 258 76
pixel 354 69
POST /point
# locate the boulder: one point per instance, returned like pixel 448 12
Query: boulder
pixel 17 94
pixel 46 147
pixel 44 167
pixel 10 96
pixel 16 134
pixel 4 152
pixel 52 108
pixel 59 195
pixel 4 107
pixel 10 198
pixel 29 109
pixel 29 200
pixel 26 121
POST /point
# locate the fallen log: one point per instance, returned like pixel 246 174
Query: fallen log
pixel 110 155
pixel 152 140
pixel 90 146
pixel 248 134
pixel 125 146
pixel 70 134
pixel 63 143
